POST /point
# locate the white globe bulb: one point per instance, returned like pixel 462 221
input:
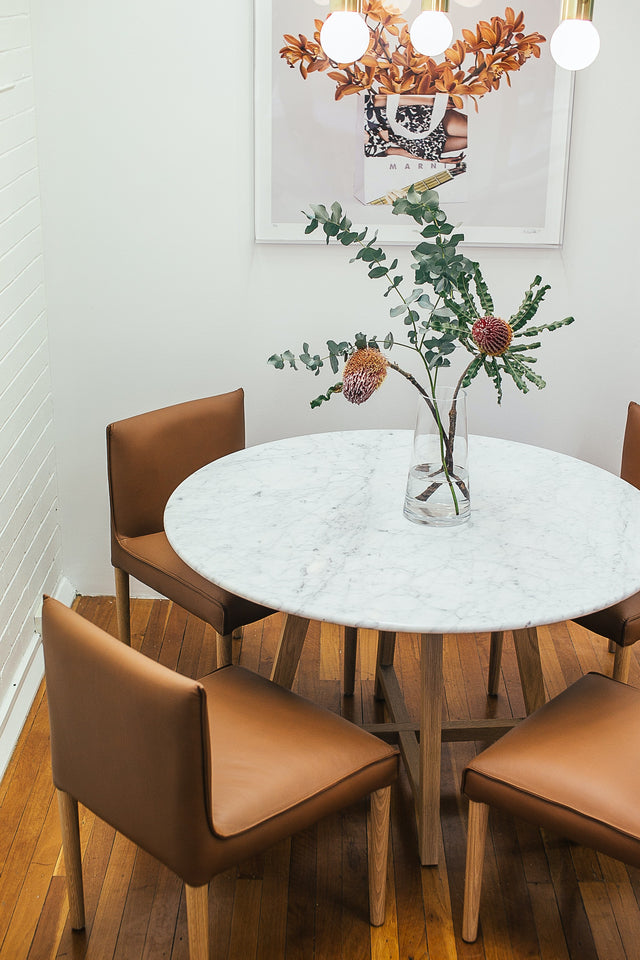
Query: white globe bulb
pixel 431 33
pixel 575 44
pixel 344 36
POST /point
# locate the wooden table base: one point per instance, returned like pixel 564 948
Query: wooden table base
pixel 421 741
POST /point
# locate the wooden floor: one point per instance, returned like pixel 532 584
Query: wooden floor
pixel 306 898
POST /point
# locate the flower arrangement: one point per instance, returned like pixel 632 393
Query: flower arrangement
pixel 457 313
pixel 473 66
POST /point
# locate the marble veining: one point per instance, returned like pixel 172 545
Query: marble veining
pixel 314 526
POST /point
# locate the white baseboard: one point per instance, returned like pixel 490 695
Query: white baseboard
pixel 26 682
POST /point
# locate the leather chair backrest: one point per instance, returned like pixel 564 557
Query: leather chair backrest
pixel 129 738
pixel 630 469
pixel 151 454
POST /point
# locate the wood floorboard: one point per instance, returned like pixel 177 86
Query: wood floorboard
pixel 307 898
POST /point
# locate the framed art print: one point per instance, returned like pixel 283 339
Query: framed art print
pixel 364 134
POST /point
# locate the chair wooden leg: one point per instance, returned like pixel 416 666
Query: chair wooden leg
pixel 476 836
pixel 68 810
pixel 378 847
pixel 495 663
pixel 621 663
pixel 122 605
pixel 224 649
pixel 350 654
pixel 198 921
pixel 612 646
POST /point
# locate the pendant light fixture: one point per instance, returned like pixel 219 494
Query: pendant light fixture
pixel 345 36
pixel 575 42
pixel 431 32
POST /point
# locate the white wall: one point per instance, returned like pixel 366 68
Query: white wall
pixel 30 542
pixel 157 292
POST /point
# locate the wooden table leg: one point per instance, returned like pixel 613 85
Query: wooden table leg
pixel 428 801
pixel 350 654
pixel 530 667
pixel 386 650
pixel 495 663
pixel 285 664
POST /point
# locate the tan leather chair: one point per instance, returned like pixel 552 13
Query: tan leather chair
pixel 620 624
pixel 570 767
pixel 200 774
pixel 148 456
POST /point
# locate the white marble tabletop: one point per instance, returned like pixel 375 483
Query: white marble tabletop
pixel 313 526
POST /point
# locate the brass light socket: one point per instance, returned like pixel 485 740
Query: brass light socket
pixel 345 6
pixel 435 6
pixel 576 10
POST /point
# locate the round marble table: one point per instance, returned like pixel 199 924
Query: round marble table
pixel 313 526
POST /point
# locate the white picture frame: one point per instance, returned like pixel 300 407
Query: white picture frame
pixel 307 143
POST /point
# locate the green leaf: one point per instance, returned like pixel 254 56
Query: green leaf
pixel 336 211
pixel 449 326
pixel 443 313
pixel 336 388
pixel 473 370
pixel 310 227
pixel 376 272
pixel 493 372
pixel 534 331
pixel 320 212
pixel 276 360
pixel 529 374
pixel 371 254
pixel 396 311
pixel 360 341
pixel 515 374
pixel 289 357
pixel 529 306
pixel 388 341
pixel 483 292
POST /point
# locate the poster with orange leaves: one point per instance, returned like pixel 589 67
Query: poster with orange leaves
pixel 486 122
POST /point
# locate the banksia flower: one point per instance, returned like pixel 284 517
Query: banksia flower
pixel 363 373
pixel 492 335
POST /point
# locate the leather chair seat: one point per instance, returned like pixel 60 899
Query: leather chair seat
pixel 571 767
pixel 619 623
pixel 152 560
pixel 287 767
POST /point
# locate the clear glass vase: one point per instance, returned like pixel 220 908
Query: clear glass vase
pixel 438 480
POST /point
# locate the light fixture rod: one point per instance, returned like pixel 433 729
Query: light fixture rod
pixel 435 6
pixel 576 9
pixel 345 6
